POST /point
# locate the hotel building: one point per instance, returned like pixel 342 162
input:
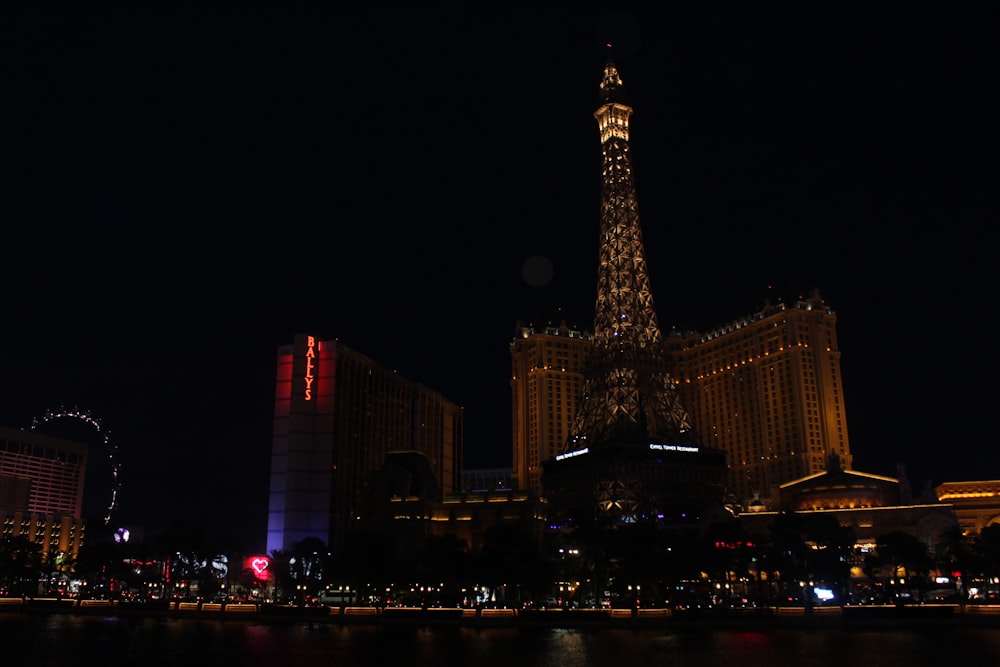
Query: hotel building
pixel 337 415
pixel 546 385
pixel 41 490
pixel 767 390
pixel 976 503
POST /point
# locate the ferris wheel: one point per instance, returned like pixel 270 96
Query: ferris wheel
pixel 102 466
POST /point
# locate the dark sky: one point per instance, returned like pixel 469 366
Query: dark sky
pixel 187 190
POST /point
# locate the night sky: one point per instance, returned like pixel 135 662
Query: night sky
pixel 187 190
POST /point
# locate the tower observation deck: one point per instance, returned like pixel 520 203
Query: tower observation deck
pixel 628 395
pixel 632 455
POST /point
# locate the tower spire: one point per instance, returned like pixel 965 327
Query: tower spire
pixel 628 395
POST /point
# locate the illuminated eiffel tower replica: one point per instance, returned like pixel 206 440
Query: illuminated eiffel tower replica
pixel 633 456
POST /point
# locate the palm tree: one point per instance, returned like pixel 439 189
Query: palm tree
pixel 954 553
pixel 806 547
pixel 308 564
pixel 904 551
pixel 367 564
pixel 20 560
pixel 985 557
pixel 280 573
pixel 445 562
pixel 511 557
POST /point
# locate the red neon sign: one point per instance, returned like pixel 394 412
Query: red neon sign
pixel 310 364
pixel 259 565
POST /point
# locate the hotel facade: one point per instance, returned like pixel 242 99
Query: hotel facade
pixel 337 416
pixel 41 491
pixel 767 389
pixel 546 386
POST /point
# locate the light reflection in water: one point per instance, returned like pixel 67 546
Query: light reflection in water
pixel 59 640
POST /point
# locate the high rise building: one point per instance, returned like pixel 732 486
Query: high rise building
pixel 337 415
pixel 546 385
pixel 41 490
pixel 54 466
pixel 767 389
pixel 632 454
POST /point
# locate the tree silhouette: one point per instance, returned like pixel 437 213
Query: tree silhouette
pixel 511 558
pixel 20 560
pixel 281 575
pixel 446 563
pixel 806 547
pixel 367 564
pixel 902 550
pixel 308 565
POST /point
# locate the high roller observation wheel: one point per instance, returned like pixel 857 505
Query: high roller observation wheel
pixel 112 450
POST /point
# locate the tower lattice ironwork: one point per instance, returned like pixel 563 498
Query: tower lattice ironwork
pixel 628 395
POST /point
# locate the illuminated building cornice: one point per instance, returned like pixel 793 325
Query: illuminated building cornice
pixel 851 473
pixel 850 510
pixel 814 303
pixel 968 490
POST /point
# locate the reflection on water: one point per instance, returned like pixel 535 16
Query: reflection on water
pixel 69 640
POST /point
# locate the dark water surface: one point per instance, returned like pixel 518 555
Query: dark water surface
pixel 66 639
